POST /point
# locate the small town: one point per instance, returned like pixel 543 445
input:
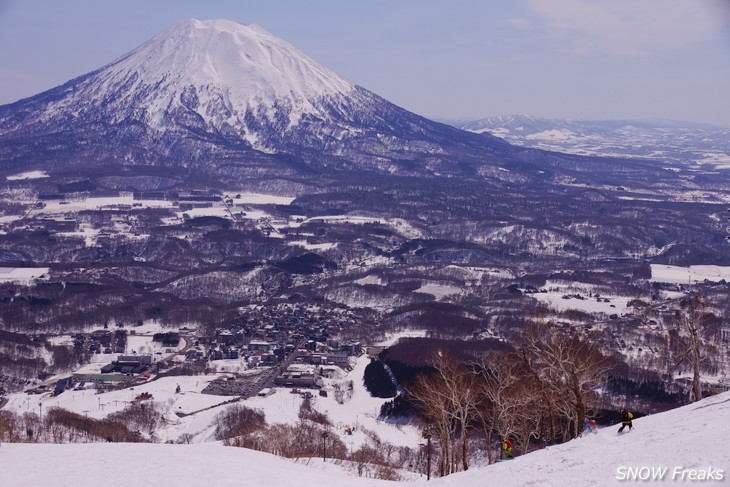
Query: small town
pixel 283 345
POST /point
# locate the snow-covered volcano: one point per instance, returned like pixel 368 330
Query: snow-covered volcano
pixel 217 71
pixel 244 63
pixel 219 92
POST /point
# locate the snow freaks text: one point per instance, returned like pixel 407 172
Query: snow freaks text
pixel 658 474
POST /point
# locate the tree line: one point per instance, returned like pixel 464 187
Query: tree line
pixel 536 395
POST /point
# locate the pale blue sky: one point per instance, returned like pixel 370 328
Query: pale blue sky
pixel 581 59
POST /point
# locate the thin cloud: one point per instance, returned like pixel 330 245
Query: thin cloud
pixel 14 74
pixel 630 27
pixel 520 23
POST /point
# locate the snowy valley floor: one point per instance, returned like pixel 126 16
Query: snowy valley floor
pixel 693 437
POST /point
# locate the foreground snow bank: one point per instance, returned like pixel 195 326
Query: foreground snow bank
pixel 692 438
pixel 80 465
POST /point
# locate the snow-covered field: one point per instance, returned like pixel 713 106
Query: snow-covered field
pixel 679 447
pixel 362 410
pixel 308 246
pixel 607 305
pixel 258 199
pixel 59 206
pixel 28 175
pixel 23 275
pixel 563 296
pixel 438 290
pixel 393 338
pixel 143 345
pixel 370 279
pixel 237 366
pixel 688 275
pixel 347 219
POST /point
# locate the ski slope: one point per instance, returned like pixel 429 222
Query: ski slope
pixel 688 442
pixel 690 437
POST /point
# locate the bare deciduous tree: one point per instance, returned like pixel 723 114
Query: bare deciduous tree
pixel 507 403
pixel 448 399
pixel 568 369
pixel 687 336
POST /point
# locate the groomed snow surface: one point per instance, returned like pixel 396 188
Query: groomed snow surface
pixel 689 442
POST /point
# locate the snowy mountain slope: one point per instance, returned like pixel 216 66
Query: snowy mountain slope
pixel 690 437
pixel 215 72
pixel 222 93
pixel 674 444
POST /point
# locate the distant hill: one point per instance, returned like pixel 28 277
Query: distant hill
pixel 687 142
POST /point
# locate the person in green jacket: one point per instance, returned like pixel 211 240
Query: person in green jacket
pixel 507 447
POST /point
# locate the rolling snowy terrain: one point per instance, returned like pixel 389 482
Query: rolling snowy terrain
pixel 690 143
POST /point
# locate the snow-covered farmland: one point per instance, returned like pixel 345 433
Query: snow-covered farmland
pixel 438 290
pixel 688 275
pixel 560 301
pixel 554 135
pixel 258 199
pixel 76 205
pixel 308 246
pixel 23 275
pixel 370 279
pixel 219 211
pixel 86 231
pixel 28 175
pixel 348 219
pixel 579 296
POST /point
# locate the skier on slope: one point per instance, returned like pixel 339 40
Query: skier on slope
pixel 507 447
pixel 626 417
pixel 590 426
